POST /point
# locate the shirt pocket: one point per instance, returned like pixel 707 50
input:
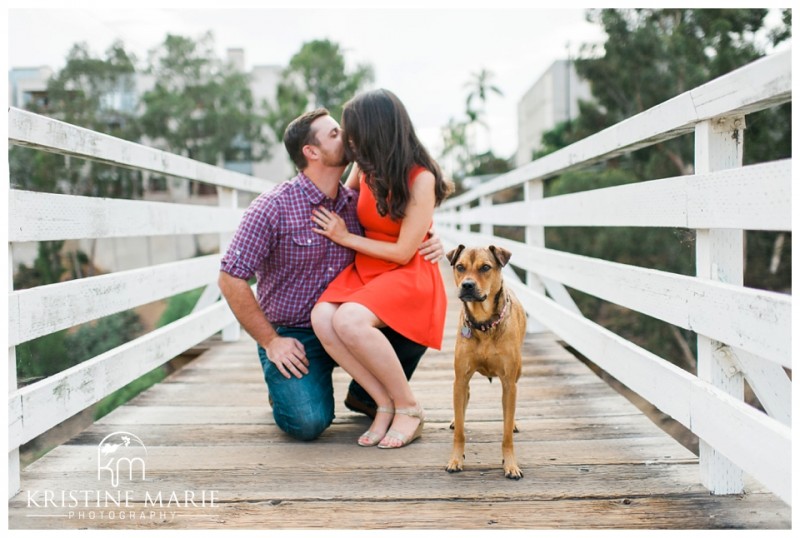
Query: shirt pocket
pixel 308 239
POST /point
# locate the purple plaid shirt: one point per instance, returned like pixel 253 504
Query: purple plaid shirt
pixel 292 264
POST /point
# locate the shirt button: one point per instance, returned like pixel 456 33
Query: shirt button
pixel 309 241
pixel 330 268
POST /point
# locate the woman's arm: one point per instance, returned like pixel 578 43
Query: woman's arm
pixel 415 225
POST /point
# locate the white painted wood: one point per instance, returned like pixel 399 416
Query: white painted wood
pixel 485 227
pixel 720 255
pixel 13 453
pixel 43 310
pixel 757 443
pixel 533 191
pixel 762 84
pixel 769 382
pixel 754 320
pixel 756 197
pixel 210 295
pixel 46 217
pixel 36 408
pixel 228 198
pixel 32 130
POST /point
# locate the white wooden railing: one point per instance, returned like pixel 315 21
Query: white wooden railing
pixel 42 310
pixel 743 333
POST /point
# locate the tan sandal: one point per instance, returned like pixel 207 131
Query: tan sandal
pixel 406 440
pixel 369 437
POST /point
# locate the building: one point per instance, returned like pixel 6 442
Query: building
pixel 550 101
pixel 28 85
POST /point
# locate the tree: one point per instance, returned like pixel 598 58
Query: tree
pixel 91 92
pixel 199 106
pixel 456 135
pixel 315 77
pixel 652 55
pixel 649 57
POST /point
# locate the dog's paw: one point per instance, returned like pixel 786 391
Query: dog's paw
pixel 512 471
pixel 456 465
pixel 453 425
pixel 516 429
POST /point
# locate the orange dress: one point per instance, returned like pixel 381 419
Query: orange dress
pixel 408 298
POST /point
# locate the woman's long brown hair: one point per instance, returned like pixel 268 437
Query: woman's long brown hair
pixel 380 138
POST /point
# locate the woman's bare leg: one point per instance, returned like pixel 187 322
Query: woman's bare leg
pixel 357 329
pixel 322 322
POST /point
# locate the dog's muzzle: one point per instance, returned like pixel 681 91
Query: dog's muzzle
pixel 469 292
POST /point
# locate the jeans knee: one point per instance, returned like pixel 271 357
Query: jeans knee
pixel 305 428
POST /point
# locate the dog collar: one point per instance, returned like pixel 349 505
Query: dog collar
pixel 466 330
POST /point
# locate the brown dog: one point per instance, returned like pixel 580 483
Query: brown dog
pixel 491 331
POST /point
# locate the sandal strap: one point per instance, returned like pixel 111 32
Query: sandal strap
pixel 416 412
pixel 387 410
pixel 394 434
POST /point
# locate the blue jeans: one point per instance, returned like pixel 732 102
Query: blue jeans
pixel 303 407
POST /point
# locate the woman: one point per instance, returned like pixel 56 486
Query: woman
pixel 389 284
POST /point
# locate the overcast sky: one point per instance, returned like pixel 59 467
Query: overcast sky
pixel 425 56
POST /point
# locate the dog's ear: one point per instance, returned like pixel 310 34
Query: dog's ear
pixel 453 255
pixel 500 254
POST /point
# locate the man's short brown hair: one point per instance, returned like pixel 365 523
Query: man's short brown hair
pixel 299 133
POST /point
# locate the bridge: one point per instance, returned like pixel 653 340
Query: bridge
pixel 210 455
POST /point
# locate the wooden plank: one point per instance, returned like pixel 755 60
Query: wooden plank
pixel 759 85
pixel 690 511
pixel 40 216
pixel 756 321
pixel 43 310
pixel 35 131
pixel 343 455
pixel 756 197
pixel 426 479
pixel 758 444
pixel 42 405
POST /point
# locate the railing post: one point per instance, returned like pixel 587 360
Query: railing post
pixel 13 455
pixel 228 198
pixel 720 254
pixel 534 237
pixel 486 228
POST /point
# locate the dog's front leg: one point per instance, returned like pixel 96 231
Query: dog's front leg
pixel 510 467
pixel 460 399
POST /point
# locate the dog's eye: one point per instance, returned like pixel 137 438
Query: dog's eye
pixel 460 268
pixel 485 267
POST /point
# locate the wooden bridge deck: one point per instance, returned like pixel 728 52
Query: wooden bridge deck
pixel 591 460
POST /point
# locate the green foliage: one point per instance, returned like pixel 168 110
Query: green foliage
pixel 199 106
pixel 129 391
pixel 315 77
pixel 179 306
pixel 456 134
pixel 649 57
pixel 94 93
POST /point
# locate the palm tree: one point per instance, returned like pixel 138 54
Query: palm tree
pixel 480 86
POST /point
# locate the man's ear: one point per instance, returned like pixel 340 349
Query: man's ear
pixel 311 153
pixel 453 255
pixel 501 255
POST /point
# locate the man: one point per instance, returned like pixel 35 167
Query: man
pixel 293 265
